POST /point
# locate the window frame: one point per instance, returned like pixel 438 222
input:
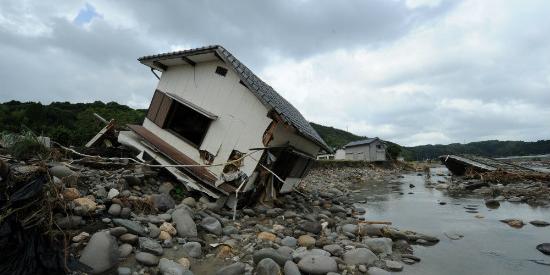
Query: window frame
pixel 161 113
pixel 170 117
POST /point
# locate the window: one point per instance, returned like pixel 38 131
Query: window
pixel 378 146
pixel 179 116
pixel 187 123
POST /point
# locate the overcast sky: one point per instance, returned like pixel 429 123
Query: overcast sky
pixel 414 72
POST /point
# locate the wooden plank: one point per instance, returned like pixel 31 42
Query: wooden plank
pixel 108 128
pixel 163 111
pixel 155 104
pixel 200 173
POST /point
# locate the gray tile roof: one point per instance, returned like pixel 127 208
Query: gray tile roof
pixel 265 93
pixel 361 142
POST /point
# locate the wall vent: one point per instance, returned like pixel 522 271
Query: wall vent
pixel 221 71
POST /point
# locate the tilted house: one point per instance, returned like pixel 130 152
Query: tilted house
pixel 371 149
pixel 208 110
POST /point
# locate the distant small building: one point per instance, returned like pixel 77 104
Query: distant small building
pixel 371 149
pixel 325 156
pixel 340 154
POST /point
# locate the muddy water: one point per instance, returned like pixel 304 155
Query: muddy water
pixel 488 246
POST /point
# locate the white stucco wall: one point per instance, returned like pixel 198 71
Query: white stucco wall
pixel 242 119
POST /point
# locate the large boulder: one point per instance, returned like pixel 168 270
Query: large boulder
pixel 349 228
pixel 101 253
pixel 131 226
pixel 267 267
pixel 61 171
pixel 359 256
pixel 87 204
pixel 212 225
pixel 115 209
pixel 269 253
pixel 291 268
pixel 169 267
pixel 185 225
pixel 192 249
pixel 311 227
pixel 302 252
pixel 317 264
pixel 306 241
pixel 147 259
pixel 233 269
pixel 334 249
pixel 162 202
pixel 379 245
pixel 150 246
pixel 289 241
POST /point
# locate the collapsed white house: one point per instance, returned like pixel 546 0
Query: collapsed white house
pixel 220 129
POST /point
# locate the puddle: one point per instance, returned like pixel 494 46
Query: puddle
pixel 488 246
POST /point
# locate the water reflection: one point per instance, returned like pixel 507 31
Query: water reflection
pixel 488 246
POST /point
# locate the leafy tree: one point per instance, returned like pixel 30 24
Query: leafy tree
pixel 67 123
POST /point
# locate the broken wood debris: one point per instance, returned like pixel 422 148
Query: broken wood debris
pixel 463 164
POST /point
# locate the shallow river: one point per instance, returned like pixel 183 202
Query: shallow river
pixel 488 246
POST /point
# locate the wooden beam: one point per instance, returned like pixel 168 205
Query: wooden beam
pixel 189 61
pixel 160 65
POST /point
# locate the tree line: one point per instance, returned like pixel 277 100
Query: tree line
pixel 74 124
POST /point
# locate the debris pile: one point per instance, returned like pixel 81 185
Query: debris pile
pixel 130 217
pixel 498 180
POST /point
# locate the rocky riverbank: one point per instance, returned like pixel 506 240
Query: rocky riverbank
pixel 134 220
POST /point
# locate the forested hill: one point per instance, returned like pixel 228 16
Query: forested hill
pixel 64 122
pixel 74 124
pixel 490 148
pixel 335 138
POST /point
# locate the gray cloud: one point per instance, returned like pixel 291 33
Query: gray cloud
pixel 451 71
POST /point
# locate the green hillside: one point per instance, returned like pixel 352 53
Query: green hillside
pixel 490 148
pixel 74 124
pixel 335 138
pixel 67 123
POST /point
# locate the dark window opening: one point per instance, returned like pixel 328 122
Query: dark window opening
pixel 290 165
pixel 379 146
pixel 187 123
pixel 221 71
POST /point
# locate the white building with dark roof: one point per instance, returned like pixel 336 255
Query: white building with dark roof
pixel 371 149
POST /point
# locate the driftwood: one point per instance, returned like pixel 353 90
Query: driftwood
pixel 376 222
